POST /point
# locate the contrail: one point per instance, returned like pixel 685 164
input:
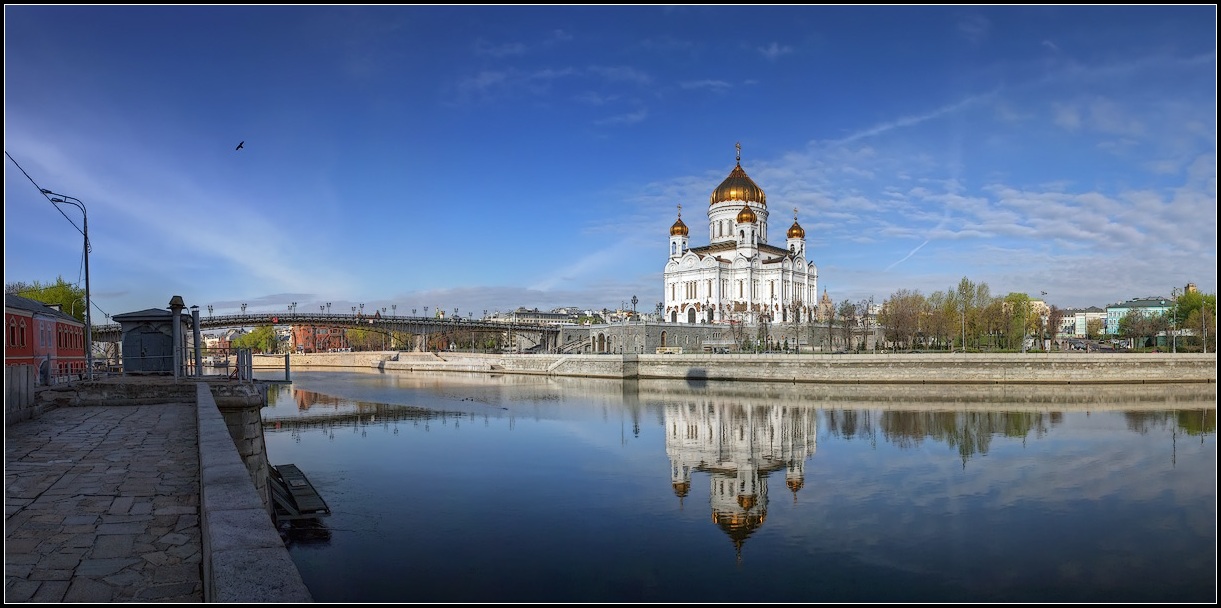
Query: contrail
pixel 913 252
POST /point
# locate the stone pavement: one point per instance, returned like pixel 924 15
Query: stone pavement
pixel 101 504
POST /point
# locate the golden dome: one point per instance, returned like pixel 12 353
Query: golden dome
pixel 746 216
pixel 679 228
pixel 738 187
pixel 681 488
pixel 796 231
pixel 794 483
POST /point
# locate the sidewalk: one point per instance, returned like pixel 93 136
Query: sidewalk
pixel 102 505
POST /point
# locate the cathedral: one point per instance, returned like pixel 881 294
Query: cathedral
pixel 738 277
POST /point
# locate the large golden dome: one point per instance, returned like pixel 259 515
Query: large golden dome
pixel 738 187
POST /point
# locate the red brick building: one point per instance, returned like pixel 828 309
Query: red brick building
pixel 318 339
pixel 43 336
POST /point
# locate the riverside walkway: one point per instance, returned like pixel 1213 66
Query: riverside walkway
pixel 134 491
pixel 102 505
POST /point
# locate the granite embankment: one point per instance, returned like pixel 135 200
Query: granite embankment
pixel 1029 368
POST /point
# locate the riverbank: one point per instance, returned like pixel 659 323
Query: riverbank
pixel 958 368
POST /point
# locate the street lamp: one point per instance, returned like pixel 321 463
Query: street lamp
pixel 292 309
pixel 328 308
pixel 362 309
pixel 243 309
pixel 1174 321
pixel 58 199
pixel 394 310
pixel 209 312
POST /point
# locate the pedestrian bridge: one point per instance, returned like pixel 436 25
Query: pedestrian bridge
pixel 525 336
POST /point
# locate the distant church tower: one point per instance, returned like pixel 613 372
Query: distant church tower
pixel 738 276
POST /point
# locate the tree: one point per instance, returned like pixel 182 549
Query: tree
pixel 1055 317
pixel 69 297
pixel 262 340
pixel 848 321
pixel 1021 321
pixel 900 316
pixel 1093 328
pixel 1140 326
pixel 364 339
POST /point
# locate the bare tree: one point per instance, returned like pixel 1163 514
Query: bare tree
pixel 900 317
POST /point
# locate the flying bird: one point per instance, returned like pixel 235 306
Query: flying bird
pixel 240 144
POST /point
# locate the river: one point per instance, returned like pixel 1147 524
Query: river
pixel 480 488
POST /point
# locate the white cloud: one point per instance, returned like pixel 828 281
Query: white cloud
pixel 774 51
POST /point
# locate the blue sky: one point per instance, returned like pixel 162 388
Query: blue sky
pixel 486 158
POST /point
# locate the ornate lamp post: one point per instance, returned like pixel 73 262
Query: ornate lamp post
pixel 209 312
pixel 394 310
pixel 328 308
pixel 243 309
pixel 58 199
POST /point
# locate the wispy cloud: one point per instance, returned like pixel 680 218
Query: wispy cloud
pixel 974 28
pixel 712 85
pixel 506 49
pixel 629 118
pixel 621 74
pixel 774 51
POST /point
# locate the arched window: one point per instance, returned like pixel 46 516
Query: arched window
pixel 673 248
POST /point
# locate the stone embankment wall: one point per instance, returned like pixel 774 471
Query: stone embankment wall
pixel 1029 368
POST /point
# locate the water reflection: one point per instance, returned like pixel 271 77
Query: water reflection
pixel 555 489
pixel 739 447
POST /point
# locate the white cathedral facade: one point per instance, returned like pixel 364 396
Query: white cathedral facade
pixel 739 276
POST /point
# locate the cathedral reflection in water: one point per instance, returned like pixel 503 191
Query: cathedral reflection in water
pixel 739 447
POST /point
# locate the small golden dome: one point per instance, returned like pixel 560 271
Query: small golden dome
pixel 738 187
pixel 746 216
pixel 679 228
pixel 796 231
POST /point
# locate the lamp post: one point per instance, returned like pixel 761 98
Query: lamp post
pixel 362 309
pixel 243 309
pixel 1174 340
pixel 209 312
pixel 59 199
pixel 394 310
pixel 328 308
pixel 292 309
